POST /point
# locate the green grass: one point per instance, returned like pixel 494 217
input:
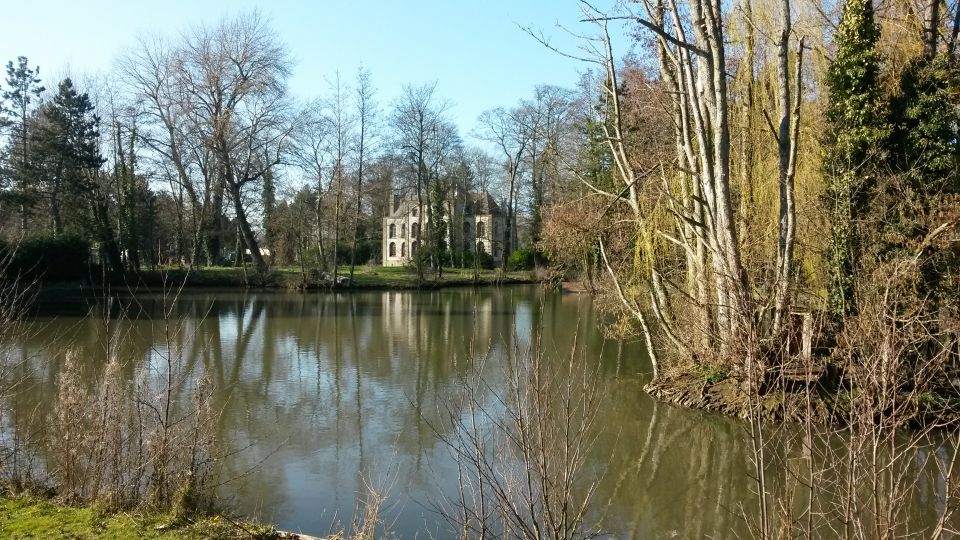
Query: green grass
pixel 27 517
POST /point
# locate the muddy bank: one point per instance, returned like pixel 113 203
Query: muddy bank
pixel 826 402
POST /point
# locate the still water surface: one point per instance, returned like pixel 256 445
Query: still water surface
pixel 323 391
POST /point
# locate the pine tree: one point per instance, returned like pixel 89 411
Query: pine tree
pixel 70 139
pixel 67 149
pixel 20 98
pixel 857 129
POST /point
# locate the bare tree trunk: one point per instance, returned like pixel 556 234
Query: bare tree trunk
pixel 319 222
pixel 746 130
pixel 787 145
pixel 955 33
pixel 55 217
pixel 246 232
pixel 418 241
pixel 213 230
pixel 336 220
pixel 931 28
pixel 365 112
pixel 356 220
pixel 105 233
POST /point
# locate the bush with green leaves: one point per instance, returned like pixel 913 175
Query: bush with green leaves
pixel 523 259
pixel 470 261
pixel 49 258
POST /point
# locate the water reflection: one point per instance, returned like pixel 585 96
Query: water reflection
pixel 320 392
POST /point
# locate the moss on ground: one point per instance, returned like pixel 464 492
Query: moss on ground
pixel 28 517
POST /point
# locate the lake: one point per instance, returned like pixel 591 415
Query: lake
pixel 322 392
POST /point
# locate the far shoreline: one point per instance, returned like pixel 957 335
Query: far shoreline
pixel 366 278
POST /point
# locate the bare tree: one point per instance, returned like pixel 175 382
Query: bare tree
pixel 415 121
pixel 342 139
pixel 235 78
pixel 366 113
pixel 787 141
pixel 521 451
pixel 168 130
pixel 510 132
pixel 693 212
pixel 545 119
pixel 312 149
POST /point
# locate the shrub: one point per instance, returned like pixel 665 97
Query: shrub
pixel 365 250
pixel 469 259
pixel 62 258
pixel 523 259
pixel 713 375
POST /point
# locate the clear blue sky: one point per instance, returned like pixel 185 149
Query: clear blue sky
pixel 475 50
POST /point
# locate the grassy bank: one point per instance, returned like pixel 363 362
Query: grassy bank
pixel 28 517
pixel 365 277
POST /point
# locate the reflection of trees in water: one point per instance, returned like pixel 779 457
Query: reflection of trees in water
pixel 673 471
pixel 327 389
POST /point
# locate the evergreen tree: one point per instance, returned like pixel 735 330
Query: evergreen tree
pixel 925 122
pixel 69 143
pixel 856 131
pixel 19 99
pixel 924 155
pixel 131 196
pixel 67 149
pixel 437 226
pixel 596 158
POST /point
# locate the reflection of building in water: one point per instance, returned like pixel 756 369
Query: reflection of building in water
pixel 418 320
pixel 477 215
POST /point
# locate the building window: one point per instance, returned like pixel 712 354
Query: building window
pixel 466 229
pixel 414 212
pixel 415 230
pixel 481 232
pixel 403 249
pixel 481 248
pixel 403 230
pixel 393 249
pixel 414 247
pixel 393 230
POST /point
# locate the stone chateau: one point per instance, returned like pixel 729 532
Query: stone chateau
pixel 482 222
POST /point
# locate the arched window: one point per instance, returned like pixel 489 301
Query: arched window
pixel 481 230
pixel 466 228
pixel 393 249
pixel 403 249
pixel 415 230
pixel 403 230
pixel 414 247
pixel 414 212
pixel 393 230
pixel 481 248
